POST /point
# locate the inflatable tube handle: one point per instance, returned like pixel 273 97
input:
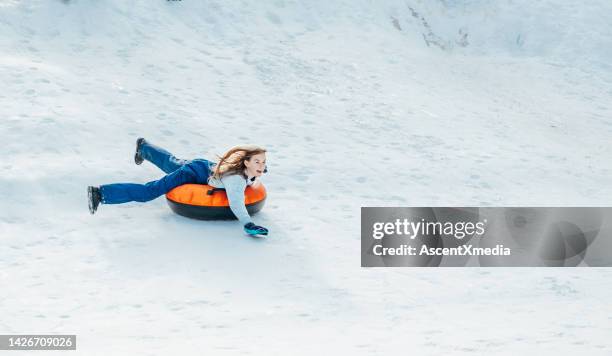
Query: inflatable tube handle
pixel 213 190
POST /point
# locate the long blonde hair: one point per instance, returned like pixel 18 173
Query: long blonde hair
pixel 232 162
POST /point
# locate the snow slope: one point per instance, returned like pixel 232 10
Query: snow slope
pixel 361 103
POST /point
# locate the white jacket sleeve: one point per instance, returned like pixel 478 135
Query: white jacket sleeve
pixel 234 188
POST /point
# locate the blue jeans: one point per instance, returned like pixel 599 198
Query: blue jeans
pixel 178 172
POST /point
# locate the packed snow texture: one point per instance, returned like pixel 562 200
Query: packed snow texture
pixel 360 103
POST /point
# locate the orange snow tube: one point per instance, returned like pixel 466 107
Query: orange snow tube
pixel 203 202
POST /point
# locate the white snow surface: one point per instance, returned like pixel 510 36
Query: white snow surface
pixel 360 103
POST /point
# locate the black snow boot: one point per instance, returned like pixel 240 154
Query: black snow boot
pixel 95 197
pixel 137 156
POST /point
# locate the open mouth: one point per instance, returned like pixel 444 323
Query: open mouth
pixel 258 171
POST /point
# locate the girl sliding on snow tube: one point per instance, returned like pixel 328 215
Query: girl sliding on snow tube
pixel 237 168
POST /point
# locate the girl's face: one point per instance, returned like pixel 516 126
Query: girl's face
pixel 256 165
